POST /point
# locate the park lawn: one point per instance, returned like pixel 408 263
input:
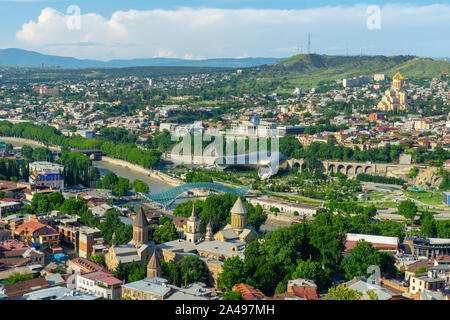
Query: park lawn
pixel 300 200
pixel 387 204
pixel 434 199
pixel 376 196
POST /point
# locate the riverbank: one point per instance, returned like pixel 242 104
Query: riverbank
pixel 155 174
pixel 19 142
pixel 148 172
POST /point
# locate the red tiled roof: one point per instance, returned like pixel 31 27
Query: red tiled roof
pixel 87 264
pixel 283 296
pixel 305 293
pixel 28 228
pixel 179 221
pixel 111 281
pixel 248 292
pixel 22 287
pixel 17 262
pixel 9 200
pixel 413 267
pixel 96 275
pixel 13 244
pixel 12 253
pixel 349 245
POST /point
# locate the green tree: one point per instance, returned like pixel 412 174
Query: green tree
pixel 27 152
pixel 422 269
pixel 98 259
pixel 76 168
pixel 313 271
pixel 112 224
pixel 121 271
pixel 372 295
pixel 169 270
pixel 137 272
pixel 140 186
pixel 370 211
pixel 233 272
pixel 56 199
pixel 289 145
pixel 166 232
pixel 192 269
pixel 109 180
pixel 163 220
pixel 408 209
pixel 342 293
pixel 122 187
pixel 94 174
pixel 17 277
pixel 232 295
pixel 413 172
pixel 361 257
pixel 429 227
pixel 42 154
pixel 40 203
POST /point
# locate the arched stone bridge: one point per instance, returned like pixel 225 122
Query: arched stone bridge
pixel 93 154
pixel 352 169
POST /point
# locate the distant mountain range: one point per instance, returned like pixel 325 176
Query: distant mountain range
pixel 24 58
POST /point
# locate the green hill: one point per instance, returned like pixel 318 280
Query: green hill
pixel 308 70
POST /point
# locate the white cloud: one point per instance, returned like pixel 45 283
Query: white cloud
pixel 245 55
pixel 208 32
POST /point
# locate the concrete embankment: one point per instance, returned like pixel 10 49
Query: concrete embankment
pixel 148 172
pixel 32 143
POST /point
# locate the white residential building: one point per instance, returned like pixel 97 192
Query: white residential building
pixel 100 283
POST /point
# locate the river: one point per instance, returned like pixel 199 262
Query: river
pixel 155 185
pixel 104 167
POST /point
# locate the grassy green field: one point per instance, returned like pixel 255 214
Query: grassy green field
pixel 430 198
pixel 386 204
pixel 377 196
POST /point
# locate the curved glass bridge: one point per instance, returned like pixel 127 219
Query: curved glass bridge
pixel 167 197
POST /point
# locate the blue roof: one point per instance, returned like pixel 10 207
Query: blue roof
pixel 60 256
pixel 37 244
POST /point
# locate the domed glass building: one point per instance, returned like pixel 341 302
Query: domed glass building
pixel 255 120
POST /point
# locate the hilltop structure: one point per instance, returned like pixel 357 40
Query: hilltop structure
pixel 139 249
pixel 395 98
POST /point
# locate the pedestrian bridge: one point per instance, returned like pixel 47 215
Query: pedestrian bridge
pixel 167 197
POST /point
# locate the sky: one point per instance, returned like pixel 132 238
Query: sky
pixel 200 29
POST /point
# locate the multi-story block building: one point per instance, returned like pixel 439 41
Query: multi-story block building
pixel 429 281
pixel 36 232
pixel 285 207
pixel 100 283
pixel 428 247
pixel 47 174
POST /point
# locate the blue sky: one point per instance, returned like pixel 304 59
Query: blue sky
pixel 196 29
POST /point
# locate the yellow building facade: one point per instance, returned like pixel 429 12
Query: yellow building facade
pixel 394 99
